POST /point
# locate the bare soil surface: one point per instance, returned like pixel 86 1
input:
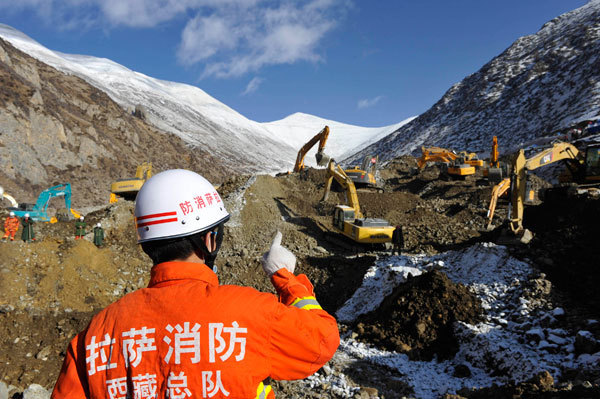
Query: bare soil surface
pixel 50 289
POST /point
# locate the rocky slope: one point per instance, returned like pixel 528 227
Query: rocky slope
pixel 541 83
pixel 57 128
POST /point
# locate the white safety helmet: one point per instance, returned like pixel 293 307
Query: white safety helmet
pixel 98 225
pixel 81 218
pixel 26 215
pixel 11 213
pixel 177 203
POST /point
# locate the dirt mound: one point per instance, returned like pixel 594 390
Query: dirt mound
pixel 417 317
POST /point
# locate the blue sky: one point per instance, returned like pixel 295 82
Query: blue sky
pixel 367 63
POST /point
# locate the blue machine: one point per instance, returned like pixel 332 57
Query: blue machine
pixel 39 211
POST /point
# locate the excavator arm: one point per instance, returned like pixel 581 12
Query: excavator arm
pixel 498 190
pixel 494 156
pixel 335 171
pixel 9 197
pixel 558 152
pixel 321 137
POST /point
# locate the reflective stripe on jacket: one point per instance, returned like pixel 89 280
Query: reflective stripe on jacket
pixel 187 336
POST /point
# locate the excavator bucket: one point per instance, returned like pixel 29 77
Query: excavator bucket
pixel 322 158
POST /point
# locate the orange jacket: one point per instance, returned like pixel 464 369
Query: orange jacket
pixel 11 224
pixel 187 336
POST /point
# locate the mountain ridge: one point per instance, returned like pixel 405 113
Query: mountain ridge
pixel 540 84
pixel 199 119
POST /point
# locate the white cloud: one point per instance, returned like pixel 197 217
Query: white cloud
pixel 228 37
pixel 253 85
pixel 368 102
pixel 203 37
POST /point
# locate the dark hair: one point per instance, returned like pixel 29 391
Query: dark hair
pixel 171 249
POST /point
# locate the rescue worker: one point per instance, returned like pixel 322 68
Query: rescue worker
pixel 98 235
pixel 397 240
pixel 186 335
pixel 27 235
pixel 80 228
pixel 11 225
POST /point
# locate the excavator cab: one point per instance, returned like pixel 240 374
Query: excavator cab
pixel 343 214
pixel 592 163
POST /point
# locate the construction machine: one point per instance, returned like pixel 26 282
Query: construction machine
pixel 584 170
pixel 39 210
pixel 9 197
pixel 322 159
pixel 458 164
pixel 128 188
pixel 348 219
pixel 363 176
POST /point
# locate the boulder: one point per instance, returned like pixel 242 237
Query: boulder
pixel 36 391
pixel 585 342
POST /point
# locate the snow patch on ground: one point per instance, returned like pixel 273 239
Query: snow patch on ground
pixel 378 282
pixel 236 201
pixel 516 340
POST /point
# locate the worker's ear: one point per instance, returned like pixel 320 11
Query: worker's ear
pixel 210 241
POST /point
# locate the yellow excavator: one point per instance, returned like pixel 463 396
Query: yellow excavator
pixel 459 165
pixel 363 176
pixel 348 219
pixel 584 170
pixel 322 159
pixel 128 188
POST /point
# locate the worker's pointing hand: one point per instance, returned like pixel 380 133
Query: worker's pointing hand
pixel 278 257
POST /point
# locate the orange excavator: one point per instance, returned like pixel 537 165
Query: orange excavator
pixel 460 164
pixel 495 170
pixel 322 159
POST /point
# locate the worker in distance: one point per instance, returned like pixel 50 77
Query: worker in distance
pixel 186 336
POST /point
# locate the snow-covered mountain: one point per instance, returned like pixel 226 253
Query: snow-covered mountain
pixel 343 141
pixel 200 119
pixel 540 84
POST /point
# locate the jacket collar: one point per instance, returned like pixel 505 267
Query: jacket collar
pixel 168 272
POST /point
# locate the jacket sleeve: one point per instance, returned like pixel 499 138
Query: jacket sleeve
pixel 72 380
pixel 303 336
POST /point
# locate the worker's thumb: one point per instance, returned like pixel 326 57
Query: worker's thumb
pixel 278 257
pixel 277 239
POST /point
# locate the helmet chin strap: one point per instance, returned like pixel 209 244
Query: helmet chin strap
pixel 199 245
